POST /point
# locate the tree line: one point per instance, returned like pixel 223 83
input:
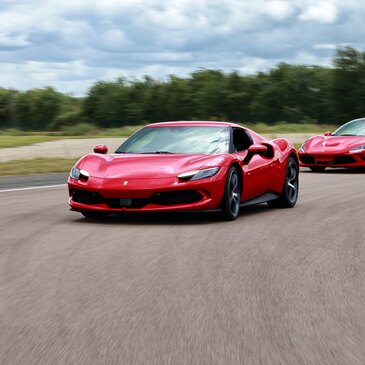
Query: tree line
pixel 286 93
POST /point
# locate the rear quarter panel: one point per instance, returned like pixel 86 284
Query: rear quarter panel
pixel 284 149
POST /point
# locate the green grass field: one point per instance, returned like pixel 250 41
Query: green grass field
pixel 7 141
pixel 291 128
pixel 16 138
pixel 36 166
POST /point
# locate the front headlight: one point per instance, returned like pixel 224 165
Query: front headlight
pixel 198 174
pixel 78 174
pixel 358 148
pixel 75 173
pixel 302 147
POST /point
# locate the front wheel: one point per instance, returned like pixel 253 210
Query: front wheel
pixel 289 194
pixel 232 195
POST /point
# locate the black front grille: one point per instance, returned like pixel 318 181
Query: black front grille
pixel 176 197
pixel 307 159
pixel 162 198
pixel 87 197
pixel 343 160
pixel 120 203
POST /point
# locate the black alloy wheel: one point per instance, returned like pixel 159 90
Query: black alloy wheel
pixel 289 194
pixel 232 195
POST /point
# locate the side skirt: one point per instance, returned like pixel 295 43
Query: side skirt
pixel 260 199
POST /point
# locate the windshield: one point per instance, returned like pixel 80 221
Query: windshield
pixel 178 139
pixel 353 128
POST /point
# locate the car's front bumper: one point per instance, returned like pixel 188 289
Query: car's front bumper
pixel 323 159
pixel 168 194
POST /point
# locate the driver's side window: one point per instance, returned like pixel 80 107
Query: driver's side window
pixel 241 140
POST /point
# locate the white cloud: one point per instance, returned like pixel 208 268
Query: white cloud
pixel 325 46
pixel 113 40
pixel 73 43
pixel 279 10
pixel 252 65
pixel 307 58
pixel 13 41
pixel 321 12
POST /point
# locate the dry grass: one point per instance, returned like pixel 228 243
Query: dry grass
pixel 36 166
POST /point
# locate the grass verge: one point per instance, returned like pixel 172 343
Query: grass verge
pixel 7 141
pixel 291 128
pixel 16 138
pixel 36 166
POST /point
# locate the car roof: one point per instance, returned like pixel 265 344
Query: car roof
pixel 194 123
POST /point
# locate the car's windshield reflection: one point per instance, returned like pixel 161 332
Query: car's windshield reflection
pixel 178 139
pixel 353 128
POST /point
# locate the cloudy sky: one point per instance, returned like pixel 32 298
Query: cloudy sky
pixel 70 44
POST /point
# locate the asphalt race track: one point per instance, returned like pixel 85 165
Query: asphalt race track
pixel 273 287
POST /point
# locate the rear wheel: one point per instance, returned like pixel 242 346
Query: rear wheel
pixel 317 168
pixel 232 195
pixel 289 194
pixel 89 214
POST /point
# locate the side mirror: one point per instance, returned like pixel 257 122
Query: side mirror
pixel 255 149
pixel 328 134
pixel 101 148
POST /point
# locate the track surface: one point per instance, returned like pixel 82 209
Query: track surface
pixel 272 287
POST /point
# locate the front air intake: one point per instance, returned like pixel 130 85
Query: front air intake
pixel 176 197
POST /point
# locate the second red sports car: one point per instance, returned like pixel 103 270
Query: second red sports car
pixel 186 166
pixel 343 148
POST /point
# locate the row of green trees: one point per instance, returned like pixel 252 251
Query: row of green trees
pixel 290 93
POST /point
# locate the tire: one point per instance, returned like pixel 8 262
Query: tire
pixel 317 168
pixel 232 195
pixel 89 214
pixel 289 194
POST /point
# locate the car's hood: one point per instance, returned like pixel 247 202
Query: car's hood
pixel 145 166
pixel 331 143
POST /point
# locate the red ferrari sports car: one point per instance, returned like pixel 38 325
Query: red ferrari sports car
pixel 186 166
pixel 343 148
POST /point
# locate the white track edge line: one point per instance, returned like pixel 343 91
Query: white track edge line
pixel 33 188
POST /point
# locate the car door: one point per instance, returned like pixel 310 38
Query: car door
pixel 258 172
